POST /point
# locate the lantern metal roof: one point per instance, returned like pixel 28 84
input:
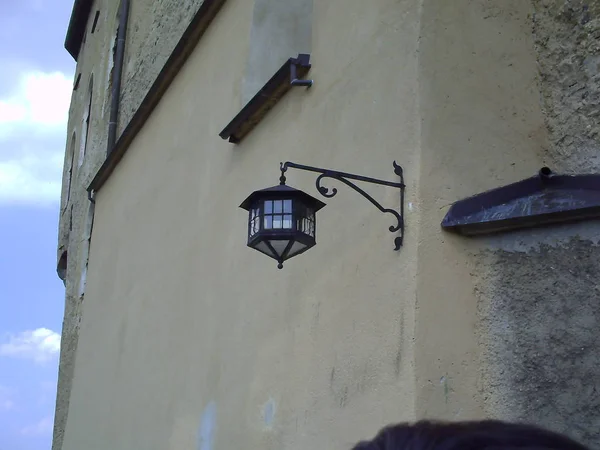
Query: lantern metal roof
pixel 279 190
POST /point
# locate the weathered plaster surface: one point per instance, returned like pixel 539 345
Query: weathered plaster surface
pixel 154 29
pixel 94 63
pixel 540 312
pixel 517 314
pixel 567 41
pixel 538 289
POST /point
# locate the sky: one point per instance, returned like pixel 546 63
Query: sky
pixel 35 90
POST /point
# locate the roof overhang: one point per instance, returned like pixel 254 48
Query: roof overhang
pixel 537 201
pixel 77 25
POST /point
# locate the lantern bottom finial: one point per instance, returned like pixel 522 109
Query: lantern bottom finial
pixel 280 265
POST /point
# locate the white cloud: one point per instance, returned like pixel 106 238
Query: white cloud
pixel 33 119
pixel 11 112
pixel 39 345
pixel 44 426
pixel 40 100
pixel 31 178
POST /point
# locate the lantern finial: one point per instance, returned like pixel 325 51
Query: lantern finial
pixel 282 177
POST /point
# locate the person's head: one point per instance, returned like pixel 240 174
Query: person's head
pixel 473 435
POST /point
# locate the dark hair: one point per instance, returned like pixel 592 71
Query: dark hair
pixel 472 435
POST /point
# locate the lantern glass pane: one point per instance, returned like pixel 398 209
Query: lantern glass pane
pixel 254 222
pixel 268 207
pixel 277 221
pixel 296 247
pixel 279 246
pixel 268 223
pixel 264 248
pixel 278 206
pixel 287 221
pixel 287 206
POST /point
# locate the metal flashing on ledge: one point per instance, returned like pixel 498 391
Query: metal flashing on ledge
pixel 184 48
pixel 534 202
pixel 289 75
pixel 77 25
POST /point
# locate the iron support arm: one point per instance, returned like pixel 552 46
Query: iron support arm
pixel 345 178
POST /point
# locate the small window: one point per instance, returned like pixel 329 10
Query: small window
pixel 76 85
pixel 95 21
pixel 85 126
pixel 85 250
pixel 69 172
pixel 61 268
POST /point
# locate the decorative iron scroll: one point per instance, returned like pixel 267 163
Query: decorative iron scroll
pixel 345 178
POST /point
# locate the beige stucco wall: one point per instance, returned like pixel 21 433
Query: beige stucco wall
pixel 190 340
pixel 146 55
pixel 289 24
pixel 180 313
pixel 481 125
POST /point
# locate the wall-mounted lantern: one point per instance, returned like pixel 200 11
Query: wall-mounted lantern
pixel 282 221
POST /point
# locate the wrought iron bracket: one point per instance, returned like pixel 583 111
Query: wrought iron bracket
pixel 345 178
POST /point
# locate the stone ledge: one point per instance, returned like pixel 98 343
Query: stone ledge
pixel 266 98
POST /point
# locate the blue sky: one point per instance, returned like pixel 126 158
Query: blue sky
pixel 35 88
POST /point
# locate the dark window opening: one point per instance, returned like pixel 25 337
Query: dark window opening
pixel 61 268
pixel 95 21
pixel 76 85
pixel 70 180
pixel 112 67
pixel 65 193
pixel 86 125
